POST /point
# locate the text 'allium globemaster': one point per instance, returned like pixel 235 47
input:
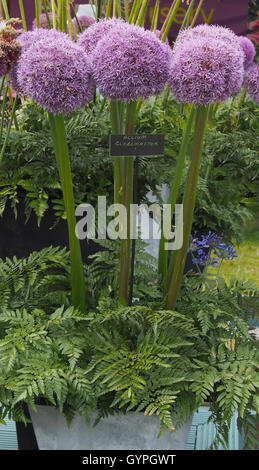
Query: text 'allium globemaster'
pixel 55 73
pixel 252 82
pixel 130 63
pixel 207 66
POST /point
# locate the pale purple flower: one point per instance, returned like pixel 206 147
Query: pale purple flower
pixel 56 75
pixel 84 21
pixel 89 38
pixel 29 38
pixel 43 21
pixel 209 32
pixel 251 82
pixel 130 63
pixel 206 69
pixel 249 50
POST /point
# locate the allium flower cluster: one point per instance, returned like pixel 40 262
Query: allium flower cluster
pixel 130 63
pixel 27 39
pixel 56 74
pixel 207 65
pixel 43 21
pixel 84 22
pixel 249 50
pixel 251 82
pixel 208 32
pixel 10 48
pixel 210 250
pixel 89 38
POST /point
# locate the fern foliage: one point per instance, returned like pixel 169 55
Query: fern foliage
pixel 113 359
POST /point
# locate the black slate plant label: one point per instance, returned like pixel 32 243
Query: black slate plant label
pixel 136 145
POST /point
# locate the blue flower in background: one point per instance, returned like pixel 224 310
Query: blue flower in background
pixel 210 250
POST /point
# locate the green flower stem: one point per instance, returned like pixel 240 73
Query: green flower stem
pixel 37 13
pixel 127 164
pixel 3 106
pixel 188 205
pixel 8 128
pixel 187 16
pixel 142 13
pixel 6 11
pixel 53 10
pixel 22 15
pixel 62 156
pixel 174 190
pixel 116 129
pixel 108 9
pixel 126 9
pixel 155 17
pixel 169 19
pixel 197 13
pixel 134 11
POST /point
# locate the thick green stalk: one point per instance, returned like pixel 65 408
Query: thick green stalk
pixel 37 13
pixel 118 8
pixel 142 13
pixel 155 16
pixel 22 15
pixel 108 9
pixel 188 206
pixel 127 199
pixel 116 129
pixel 126 9
pixel 134 11
pixel 197 13
pixel 6 11
pixel 174 190
pixel 3 106
pixel 53 9
pixel 171 17
pixel 62 156
pixel 187 16
pixel 8 129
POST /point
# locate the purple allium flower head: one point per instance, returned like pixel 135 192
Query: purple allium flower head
pixel 251 82
pixel 29 38
pixel 209 32
pixel 84 21
pixel 89 38
pixel 56 75
pixel 43 21
pixel 249 50
pixel 130 63
pixel 206 69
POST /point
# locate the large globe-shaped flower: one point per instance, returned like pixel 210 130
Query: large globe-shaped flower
pixel 83 22
pixel 206 69
pixel 209 32
pixel 89 38
pixel 249 50
pixel 56 75
pixel 130 63
pixel 29 38
pixel 252 82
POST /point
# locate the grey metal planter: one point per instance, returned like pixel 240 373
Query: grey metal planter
pixel 132 431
